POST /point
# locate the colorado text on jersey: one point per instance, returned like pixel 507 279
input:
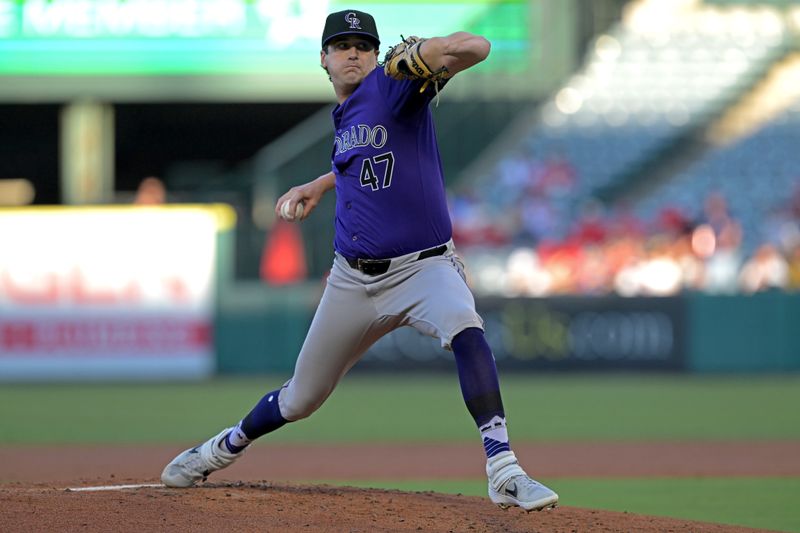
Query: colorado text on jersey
pixel 361 135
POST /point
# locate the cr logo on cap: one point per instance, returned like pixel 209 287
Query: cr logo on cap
pixel 355 22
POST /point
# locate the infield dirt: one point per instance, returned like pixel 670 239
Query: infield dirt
pixel 34 485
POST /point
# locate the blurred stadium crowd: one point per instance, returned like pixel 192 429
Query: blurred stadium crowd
pixel 670 162
pixel 667 162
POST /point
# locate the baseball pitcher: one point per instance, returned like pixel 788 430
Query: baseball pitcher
pixel 394 263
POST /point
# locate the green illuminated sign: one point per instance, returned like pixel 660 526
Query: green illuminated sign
pixel 211 37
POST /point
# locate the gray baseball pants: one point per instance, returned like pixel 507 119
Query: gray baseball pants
pixel 356 309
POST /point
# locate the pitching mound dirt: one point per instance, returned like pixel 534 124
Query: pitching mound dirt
pixel 279 507
pixel 33 481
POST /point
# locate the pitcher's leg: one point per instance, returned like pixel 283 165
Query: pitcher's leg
pixel 477 374
pixel 340 327
pixel 343 327
pixel 448 312
pixel 480 387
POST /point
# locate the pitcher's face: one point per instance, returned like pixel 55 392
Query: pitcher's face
pixel 348 60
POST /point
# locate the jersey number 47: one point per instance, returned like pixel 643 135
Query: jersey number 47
pixel 369 178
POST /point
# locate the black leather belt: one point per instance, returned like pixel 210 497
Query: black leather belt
pixel 376 267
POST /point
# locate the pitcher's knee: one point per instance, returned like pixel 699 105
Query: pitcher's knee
pixel 296 406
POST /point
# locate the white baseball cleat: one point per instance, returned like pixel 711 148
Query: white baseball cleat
pixel 509 485
pixel 195 464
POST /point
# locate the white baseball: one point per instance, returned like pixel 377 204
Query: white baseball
pixel 298 211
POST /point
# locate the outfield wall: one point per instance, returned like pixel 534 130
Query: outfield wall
pixel 119 313
pixel 743 333
pixel 260 329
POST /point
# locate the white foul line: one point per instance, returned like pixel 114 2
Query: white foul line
pixel 114 487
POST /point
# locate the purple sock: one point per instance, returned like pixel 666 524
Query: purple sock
pixel 264 418
pixel 480 387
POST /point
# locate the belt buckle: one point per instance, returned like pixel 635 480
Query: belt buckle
pixel 372 267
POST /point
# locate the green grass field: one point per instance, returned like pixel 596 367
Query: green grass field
pixel 385 409
pixel 380 408
pixel 768 503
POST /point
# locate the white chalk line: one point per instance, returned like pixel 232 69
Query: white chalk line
pixel 115 487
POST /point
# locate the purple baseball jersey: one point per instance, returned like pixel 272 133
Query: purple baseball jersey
pixel 390 194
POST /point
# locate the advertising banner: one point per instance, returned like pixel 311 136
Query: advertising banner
pixel 122 292
pixel 251 49
pixel 570 333
pixel 169 37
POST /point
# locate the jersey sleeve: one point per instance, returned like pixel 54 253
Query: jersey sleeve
pixel 403 96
